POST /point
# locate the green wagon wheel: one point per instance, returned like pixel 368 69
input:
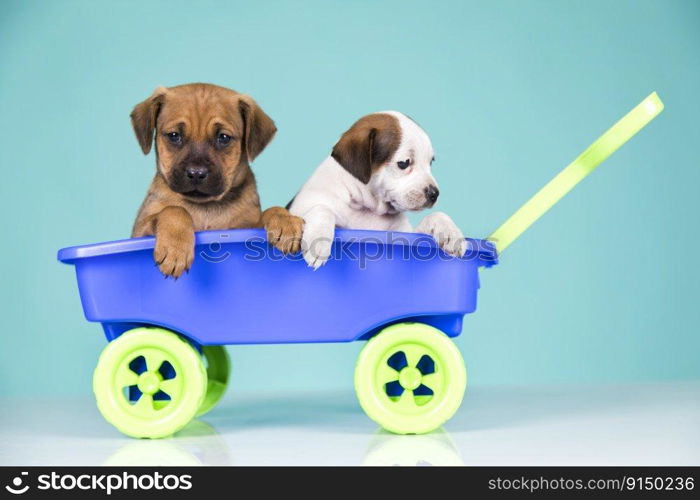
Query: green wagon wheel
pixel 410 378
pixel 218 373
pixel 149 383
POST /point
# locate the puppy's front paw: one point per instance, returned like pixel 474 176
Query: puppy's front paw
pixel 316 247
pixel 174 254
pixel 284 232
pixel 445 232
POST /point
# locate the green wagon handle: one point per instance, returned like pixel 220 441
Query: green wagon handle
pixel 576 171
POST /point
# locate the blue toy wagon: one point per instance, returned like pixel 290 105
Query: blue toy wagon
pixel 165 362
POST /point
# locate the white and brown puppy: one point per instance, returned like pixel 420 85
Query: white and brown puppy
pixel 379 169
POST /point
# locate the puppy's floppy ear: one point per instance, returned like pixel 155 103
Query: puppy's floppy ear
pixel 143 118
pixel 259 129
pixel 368 144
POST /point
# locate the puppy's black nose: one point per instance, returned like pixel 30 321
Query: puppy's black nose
pixel 431 194
pixel 197 174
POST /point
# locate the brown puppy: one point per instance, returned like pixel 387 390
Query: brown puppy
pixel 206 137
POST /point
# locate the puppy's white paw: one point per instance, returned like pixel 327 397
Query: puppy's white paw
pixel 316 247
pixel 445 232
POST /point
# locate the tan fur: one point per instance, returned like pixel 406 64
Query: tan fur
pixel 283 229
pixel 200 112
pixel 368 144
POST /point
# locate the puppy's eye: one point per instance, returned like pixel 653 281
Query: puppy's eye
pixel 403 165
pixel 432 160
pixel 174 137
pixel 223 139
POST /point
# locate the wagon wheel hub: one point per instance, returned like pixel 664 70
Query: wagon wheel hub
pixel 149 382
pixel 410 378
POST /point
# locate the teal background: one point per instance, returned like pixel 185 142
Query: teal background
pixel 603 289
